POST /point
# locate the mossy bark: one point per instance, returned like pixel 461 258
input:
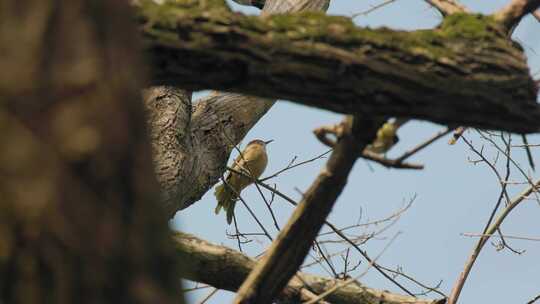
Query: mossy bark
pixel 192 143
pixel 464 72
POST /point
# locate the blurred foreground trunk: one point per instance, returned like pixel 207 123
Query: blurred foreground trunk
pixel 79 221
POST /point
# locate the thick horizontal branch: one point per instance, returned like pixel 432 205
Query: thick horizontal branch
pixel 465 72
pixel 225 268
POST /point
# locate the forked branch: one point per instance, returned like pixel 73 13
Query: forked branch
pixel 456 291
pixel 513 12
pixel 288 251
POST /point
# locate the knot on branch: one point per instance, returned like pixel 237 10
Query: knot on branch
pixel 324 134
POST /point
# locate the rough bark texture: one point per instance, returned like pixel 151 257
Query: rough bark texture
pixel 79 221
pixel 465 72
pixel 191 146
pixel 225 268
pixel 192 143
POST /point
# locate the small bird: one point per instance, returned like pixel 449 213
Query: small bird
pixel 386 137
pixel 252 161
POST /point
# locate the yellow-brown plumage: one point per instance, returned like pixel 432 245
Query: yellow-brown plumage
pixel 386 137
pixel 252 161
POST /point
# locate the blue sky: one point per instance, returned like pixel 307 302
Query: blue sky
pixel 452 195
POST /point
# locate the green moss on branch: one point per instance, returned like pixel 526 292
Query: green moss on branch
pixel 328 62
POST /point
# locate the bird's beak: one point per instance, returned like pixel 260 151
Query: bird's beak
pixel 267 142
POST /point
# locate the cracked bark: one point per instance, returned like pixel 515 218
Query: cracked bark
pixel 191 144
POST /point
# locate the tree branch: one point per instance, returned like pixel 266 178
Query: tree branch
pixel 194 144
pixel 536 14
pixel 288 251
pixel 448 7
pixel 466 72
pixel 513 12
pixel 492 229
pixel 225 268
pixel 186 148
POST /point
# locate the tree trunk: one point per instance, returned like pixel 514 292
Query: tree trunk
pixel 80 220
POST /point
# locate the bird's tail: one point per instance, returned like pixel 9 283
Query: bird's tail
pixel 226 199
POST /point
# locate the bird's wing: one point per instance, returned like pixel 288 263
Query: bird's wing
pixel 238 164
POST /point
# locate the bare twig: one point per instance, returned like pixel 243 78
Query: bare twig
pixel 335 229
pixel 391 217
pixel 503 244
pixel 274 219
pixel 248 209
pixel 534 300
pixel 209 295
pixel 482 241
pixel 225 268
pixel 196 287
pixel 495 171
pixel 399 162
pixel 237 235
pixel 373 8
pixel 287 253
pixel 470 234
pixel 506 153
pixel 527 145
pixel 326 259
pixel 399 272
pixel 360 239
pixel 317 261
pixel 322 134
pixel 351 280
pixel 503 182
pixel 528 150
pixel 423 145
pixel 292 165
pixel 390 163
